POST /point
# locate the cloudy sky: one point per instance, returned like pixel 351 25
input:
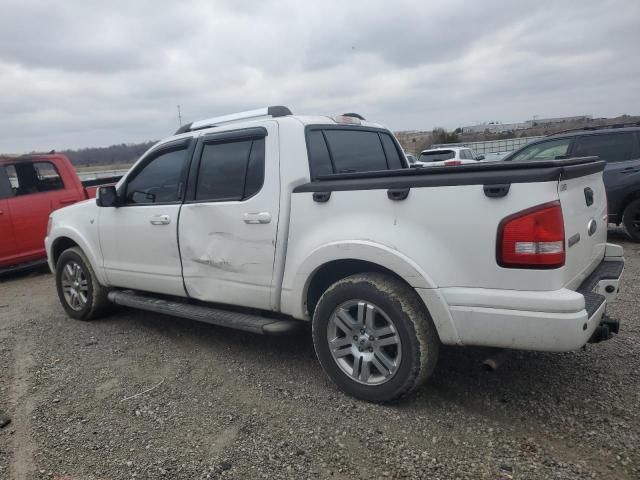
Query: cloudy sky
pixel 96 73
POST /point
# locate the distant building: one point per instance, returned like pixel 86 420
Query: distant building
pixel 547 121
pixel 497 127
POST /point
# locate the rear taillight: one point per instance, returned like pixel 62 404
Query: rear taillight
pixel 453 162
pixel 533 238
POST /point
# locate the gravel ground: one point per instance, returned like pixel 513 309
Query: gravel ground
pixel 139 395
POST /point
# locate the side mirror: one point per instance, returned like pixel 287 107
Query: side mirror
pixel 480 157
pixel 107 196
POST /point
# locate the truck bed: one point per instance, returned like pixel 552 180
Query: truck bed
pixel 444 221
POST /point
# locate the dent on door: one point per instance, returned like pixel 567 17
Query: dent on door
pixel 222 247
pixel 226 267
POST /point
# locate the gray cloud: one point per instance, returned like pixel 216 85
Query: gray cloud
pixel 97 73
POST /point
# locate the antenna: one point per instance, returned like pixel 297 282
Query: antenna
pixel 179 117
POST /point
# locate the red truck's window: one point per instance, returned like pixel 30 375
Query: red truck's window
pixel 27 178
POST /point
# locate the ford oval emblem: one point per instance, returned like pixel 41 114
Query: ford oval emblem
pixel 592 226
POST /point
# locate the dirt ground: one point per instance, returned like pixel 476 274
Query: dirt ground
pixel 140 395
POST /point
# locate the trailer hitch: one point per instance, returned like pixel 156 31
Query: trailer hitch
pixel 608 328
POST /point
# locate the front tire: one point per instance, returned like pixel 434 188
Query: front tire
pixel 79 291
pixel 374 337
pixel 631 220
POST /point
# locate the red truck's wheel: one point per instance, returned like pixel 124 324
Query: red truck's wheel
pixel 80 293
pixel 374 337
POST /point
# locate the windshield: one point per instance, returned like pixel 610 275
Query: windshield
pixel 437 155
pixel 548 150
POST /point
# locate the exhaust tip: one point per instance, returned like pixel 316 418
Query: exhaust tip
pixel 497 358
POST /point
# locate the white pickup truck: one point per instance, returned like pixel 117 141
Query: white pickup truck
pixel 264 220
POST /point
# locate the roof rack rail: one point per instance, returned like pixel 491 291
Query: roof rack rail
pixel 596 127
pixel 266 112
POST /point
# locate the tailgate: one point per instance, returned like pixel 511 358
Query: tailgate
pixel 584 208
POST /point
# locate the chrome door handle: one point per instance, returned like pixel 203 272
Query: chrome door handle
pixel 254 218
pixel 160 220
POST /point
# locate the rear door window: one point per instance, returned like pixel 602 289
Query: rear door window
pixel 48 177
pixel 612 147
pixel 230 170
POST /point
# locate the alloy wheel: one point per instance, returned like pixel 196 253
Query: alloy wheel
pixel 364 342
pixel 75 286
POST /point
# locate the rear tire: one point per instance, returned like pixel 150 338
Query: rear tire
pixel 79 290
pixel 374 337
pixel 631 220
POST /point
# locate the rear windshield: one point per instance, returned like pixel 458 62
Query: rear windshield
pixel 347 150
pixel 437 156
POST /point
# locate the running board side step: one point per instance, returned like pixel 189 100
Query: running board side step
pixel 215 316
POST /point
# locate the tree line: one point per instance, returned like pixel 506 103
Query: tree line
pixel 123 154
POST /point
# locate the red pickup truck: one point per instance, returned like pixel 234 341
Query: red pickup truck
pixel 31 187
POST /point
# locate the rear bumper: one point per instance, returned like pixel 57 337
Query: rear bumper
pixel 560 320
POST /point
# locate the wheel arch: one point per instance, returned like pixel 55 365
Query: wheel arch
pixel 68 239
pixel 332 262
pixel 59 245
pixel 335 270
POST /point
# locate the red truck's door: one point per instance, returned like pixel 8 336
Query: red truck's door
pixel 7 242
pixel 33 201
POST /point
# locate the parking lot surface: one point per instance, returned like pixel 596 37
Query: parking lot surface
pixel 140 395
